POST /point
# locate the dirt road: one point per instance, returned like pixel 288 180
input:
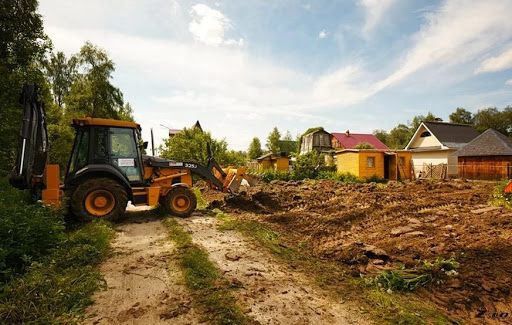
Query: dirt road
pixel 145 286
pixel 272 293
pixel 143 283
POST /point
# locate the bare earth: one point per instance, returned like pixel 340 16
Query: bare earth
pixel 143 285
pixel 272 293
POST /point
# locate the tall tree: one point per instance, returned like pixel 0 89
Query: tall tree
pixel 255 150
pixel 493 118
pixel 23 44
pixel 461 116
pixel 273 141
pixel 92 93
pixel 190 145
pixel 416 120
pixel 61 73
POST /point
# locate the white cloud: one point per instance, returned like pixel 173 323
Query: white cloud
pixel 322 34
pixel 497 63
pixel 508 82
pixel 375 12
pixel 209 26
pixel 460 31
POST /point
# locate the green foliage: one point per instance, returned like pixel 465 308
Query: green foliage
pixel 190 145
pixel 23 44
pixel 271 175
pixel 308 165
pixel 500 198
pixel 461 116
pixel 364 145
pixel 60 72
pixel 58 287
pixel 500 120
pixel 209 288
pixel 273 141
pixel 255 150
pixel 410 279
pixel 28 232
pixel 340 177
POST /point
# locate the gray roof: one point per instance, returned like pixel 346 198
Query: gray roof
pixel 451 134
pixel 489 143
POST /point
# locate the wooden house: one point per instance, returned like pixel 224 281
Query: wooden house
pixel 487 157
pixel 273 162
pixel 318 139
pixel 365 163
pixel 436 143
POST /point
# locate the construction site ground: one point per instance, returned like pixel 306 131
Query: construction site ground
pixel 331 236
pixel 367 228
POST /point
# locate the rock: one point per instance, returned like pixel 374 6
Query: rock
pixel 375 253
pixel 230 256
pixel 484 210
pixel 378 262
pixel 448 227
pixel 414 234
pixel 402 230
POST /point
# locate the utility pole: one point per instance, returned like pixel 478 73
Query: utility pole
pixel 152 143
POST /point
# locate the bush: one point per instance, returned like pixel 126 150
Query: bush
pixel 375 179
pixel 307 165
pixel 500 198
pixel 60 285
pixel 271 175
pixel 27 232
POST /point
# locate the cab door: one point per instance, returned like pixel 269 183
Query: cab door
pixel 124 153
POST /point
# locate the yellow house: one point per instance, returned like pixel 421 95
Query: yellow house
pixel 275 162
pixel 367 163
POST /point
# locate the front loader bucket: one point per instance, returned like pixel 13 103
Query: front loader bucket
pixel 236 178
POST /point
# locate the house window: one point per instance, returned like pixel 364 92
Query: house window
pixel 401 161
pixel 370 162
pixel 425 134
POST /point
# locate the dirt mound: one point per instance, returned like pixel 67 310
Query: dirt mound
pixel 395 224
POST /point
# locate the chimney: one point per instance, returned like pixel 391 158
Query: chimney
pixel 347 133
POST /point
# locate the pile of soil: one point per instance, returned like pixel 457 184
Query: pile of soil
pixel 369 227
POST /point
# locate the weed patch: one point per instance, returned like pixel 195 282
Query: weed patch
pixel 202 276
pixel 411 279
pixel 57 288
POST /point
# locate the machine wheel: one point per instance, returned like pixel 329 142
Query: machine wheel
pixel 99 198
pixel 180 201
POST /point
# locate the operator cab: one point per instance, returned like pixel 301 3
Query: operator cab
pixel 103 144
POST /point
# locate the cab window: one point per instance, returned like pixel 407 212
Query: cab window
pixel 80 151
pixel 123 152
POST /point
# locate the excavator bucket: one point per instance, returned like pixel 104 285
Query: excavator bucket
pixel 236 177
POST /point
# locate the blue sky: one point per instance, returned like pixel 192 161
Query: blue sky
pixel 243 67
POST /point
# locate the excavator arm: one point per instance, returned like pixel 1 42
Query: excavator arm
pixel 33 142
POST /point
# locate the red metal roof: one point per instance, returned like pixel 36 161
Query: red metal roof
pixel 349 142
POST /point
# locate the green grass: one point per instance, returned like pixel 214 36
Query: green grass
pixel 500 198
pixel 47 273
pixel 57 288
pixel 201 202
pixel 378 304
pixel 210 289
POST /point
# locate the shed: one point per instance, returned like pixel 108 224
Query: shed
pixel 487 157
pixel 318 139
pixel 349 140
pixel 365 163
pixel 274 162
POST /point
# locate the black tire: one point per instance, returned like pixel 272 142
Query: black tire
pixel 105 186
pixel 170 205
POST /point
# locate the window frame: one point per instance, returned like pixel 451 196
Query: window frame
pixel 372 159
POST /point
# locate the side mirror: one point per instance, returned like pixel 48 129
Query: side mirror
pixel 145 145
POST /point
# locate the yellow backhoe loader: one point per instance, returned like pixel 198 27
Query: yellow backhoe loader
pixel 107 169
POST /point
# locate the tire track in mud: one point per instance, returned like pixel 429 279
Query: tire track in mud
pixel 271 293
pixel 143 283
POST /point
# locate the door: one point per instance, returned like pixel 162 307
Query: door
pixel 124 153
